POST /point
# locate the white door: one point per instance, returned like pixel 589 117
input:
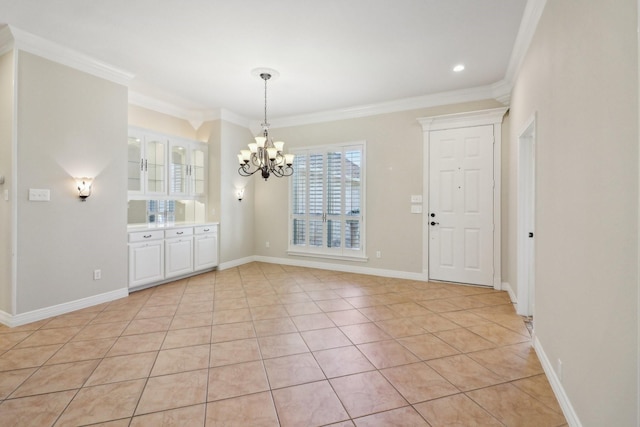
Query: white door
pixel 461 205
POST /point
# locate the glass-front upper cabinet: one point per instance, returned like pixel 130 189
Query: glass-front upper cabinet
pixel 147 164
pixel 187 170
pixel 165 166
pixel 178 168
pixel 199 170
pixel 135 164
pixel 156 165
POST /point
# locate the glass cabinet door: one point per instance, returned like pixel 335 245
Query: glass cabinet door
pixel 198 171
pixel 178 169
pixel 155 166
pixel 135 165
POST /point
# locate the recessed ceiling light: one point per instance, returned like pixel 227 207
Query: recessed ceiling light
pixel 458 68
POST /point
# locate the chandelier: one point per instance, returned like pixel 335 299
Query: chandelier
pixel 264 155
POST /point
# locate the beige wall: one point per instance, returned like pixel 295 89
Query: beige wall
pixel 69 123
pixel 6 150
pixel 394 159
pixel 160 122
pixel 580 77
pixel 210 132
pixel 237 232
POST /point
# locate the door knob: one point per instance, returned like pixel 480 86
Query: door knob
pixel 434 223
pixel 432 214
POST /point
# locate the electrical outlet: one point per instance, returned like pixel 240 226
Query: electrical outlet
pixel 97 274
pixel 378 254
pixel 267 244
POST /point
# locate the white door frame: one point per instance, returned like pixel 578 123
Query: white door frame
pixel 526 219
pixel 493 117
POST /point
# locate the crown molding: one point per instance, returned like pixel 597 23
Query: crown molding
pixel 231 117
pixel 414 103
pixel 465 119
pixel 530 18
pixel 501 91
pixel 194 117
pixel 47 49
pixel 6 39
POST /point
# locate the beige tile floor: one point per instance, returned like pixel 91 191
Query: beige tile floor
pixel 269 345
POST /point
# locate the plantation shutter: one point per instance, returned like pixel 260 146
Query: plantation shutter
pixel 326 201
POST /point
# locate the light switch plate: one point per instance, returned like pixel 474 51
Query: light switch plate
pixel 416 209
pixel 416 198
pixel 39 194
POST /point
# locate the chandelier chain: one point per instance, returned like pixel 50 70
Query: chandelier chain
pixel 265 77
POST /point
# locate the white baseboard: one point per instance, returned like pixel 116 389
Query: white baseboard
pixel 343 268
pixel 556 385
pixel 236 262
pixel 326 266
pixel 512 295
pixel 56 310
pixel 5 318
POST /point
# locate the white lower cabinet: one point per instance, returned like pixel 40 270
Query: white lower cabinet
pixel 206 247
pixel 178 252
pixel 146 257
pixel 158 255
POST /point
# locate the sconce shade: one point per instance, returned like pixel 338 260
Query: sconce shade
pixel 84 187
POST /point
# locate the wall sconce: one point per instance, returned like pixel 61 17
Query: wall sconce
pixel 84 188
pixel 239 193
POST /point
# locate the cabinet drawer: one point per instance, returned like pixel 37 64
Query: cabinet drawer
pixel 143 236
pixel 178 232
pixel 206 229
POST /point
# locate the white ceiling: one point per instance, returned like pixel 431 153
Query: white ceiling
pixel 331 54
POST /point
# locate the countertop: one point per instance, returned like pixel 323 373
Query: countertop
pixel 166 226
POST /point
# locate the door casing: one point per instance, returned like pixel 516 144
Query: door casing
pixel 526 219
pixel 493 117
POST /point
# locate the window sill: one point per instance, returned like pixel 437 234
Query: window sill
pixel 362 258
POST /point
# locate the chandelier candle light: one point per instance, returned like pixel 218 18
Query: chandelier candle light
pixel 264 155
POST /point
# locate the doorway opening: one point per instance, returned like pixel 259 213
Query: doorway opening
pixel 526 222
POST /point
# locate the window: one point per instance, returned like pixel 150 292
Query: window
pixel 161 211
pixel 327 201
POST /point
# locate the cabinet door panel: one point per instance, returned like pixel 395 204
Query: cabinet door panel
pixel 179 256
pixel 198 171
pixel 156 166
pixel 178 169
pixel 135 164
pixel 146 263
pixel 206 252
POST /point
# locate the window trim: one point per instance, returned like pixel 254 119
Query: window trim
pixel 345 253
